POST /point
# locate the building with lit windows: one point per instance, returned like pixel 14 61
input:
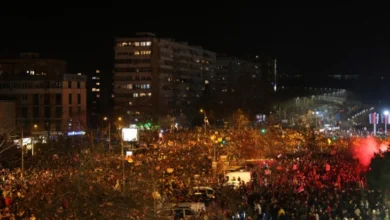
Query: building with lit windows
pixel 94 97
pixel 48 103
pixel 154 77
pixel 31 64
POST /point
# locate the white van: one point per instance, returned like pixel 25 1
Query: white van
pixel 234 178
pixel 194 206
pixel 204 191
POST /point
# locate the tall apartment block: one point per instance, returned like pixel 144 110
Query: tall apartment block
pixel 236 81
pixel 154 77
pixel 54 101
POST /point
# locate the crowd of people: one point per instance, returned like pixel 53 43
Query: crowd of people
pixel 299 184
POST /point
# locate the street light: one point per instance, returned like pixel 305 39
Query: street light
pixel 205 120
pixel 109 134
pixel 32 141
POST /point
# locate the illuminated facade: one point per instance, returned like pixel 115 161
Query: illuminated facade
pixel 54 104
pixel 156 77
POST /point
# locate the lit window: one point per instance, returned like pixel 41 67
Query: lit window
pixel 130 103
pixel 98 95
pixel 169 79
pixel 112 95
pixel 93 89
pixel 136 44
pixel 136 52
pixel 124 44
pixel 149 94
pixel 206 82
pixel 32 72
pixel 98 83
pixel 129 86
pixel 143 44
pixel 135 94
pixel 145 52
pixel 142 94
pixel 97 71
pixel 148 43
pixel 97 90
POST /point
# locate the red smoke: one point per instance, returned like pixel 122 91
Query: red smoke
pixel 365 149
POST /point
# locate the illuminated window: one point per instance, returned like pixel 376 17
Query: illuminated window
pixel 98 83
pixel 142 94
pixel 97 71
pixel 130 103
pixel 112 95
pixel 145 52
pixel 97 90
pixel 129 86
pixel 98 95
pixel 135 94
pixel 136 44
pixel 94 90
pixel 136 52
pixel 124 44
pixel 148 43
pixel 149 94
pixel 143 44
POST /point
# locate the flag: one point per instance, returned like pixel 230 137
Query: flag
pixel 373 117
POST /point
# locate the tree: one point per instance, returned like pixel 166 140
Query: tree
pixel 378 176
pixel 6 130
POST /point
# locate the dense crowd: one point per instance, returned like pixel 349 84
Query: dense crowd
pixel 298 184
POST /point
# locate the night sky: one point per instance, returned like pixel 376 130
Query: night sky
pixel 305 41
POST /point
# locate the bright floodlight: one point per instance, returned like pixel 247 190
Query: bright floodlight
pixel 386 112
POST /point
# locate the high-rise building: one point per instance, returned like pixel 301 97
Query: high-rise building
pixel 94 97
pixel 155 76
pixel 46 103
pixel 31 64
pixel 238 82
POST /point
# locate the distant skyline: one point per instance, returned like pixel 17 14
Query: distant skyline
pixel 305 41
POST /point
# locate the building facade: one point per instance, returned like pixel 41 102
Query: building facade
pixel 7 116
pixel 31 64
pixel 47 103
pixel 154 77
pixel 237 83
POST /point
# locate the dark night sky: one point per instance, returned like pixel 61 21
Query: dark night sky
pixel 308 41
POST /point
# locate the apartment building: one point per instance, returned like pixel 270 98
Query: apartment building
pixel 236 80
pixel 31 64
pixel 46 103
pixel 154 76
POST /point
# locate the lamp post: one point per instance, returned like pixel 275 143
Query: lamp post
pixel 109 134
pixel 32 141
pixel 386 120
pixel 205 120
pixel 123 157
pixel 22 147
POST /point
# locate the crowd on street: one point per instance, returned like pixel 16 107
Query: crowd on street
pixel 301 184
